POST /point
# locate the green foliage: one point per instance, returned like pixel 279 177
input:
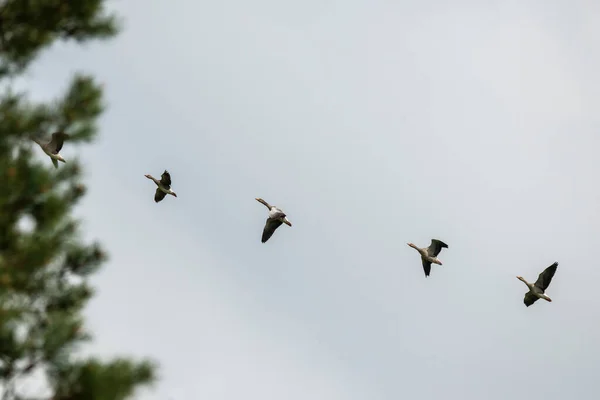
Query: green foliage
pixel 28 26
pixel 44 266
pixel 96 381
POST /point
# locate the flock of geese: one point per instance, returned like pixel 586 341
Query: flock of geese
pixel 429 255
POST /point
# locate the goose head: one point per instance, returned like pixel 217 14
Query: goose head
pixel 173 193
pixel 287 221
pixel 529 285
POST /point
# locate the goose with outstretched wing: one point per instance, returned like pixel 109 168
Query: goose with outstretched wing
pixel 276 218
pixel 163 186
pixel 53 147
pixel 537 290
pixel 429 254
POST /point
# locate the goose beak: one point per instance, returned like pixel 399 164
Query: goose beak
pixel 288 222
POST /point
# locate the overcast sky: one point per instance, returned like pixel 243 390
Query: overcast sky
pixel 371 124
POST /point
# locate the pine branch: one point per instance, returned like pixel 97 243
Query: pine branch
pixel 44 268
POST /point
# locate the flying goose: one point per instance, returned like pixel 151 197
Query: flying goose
pixel 276 218
pixel 164 186
pixel 537 289
pixel 52 147
pixel 429 254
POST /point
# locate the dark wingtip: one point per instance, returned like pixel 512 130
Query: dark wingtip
pixel 442 244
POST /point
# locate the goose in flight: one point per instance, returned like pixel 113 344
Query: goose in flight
pixel 429 254
pixel 52 147
pixel 537 289
pixel 164 186
pixel 276 218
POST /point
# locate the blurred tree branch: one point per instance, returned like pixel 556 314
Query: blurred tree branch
pixel 44 267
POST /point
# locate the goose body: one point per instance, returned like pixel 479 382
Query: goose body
pixel 163 186
pixel 53 147
pixel 537 290
pixel 429 254
pixel 276 218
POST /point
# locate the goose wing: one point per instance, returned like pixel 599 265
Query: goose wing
pixel 159 195
pixel 57 141
pixel 530 298
pixel 435 247
pixel 271 225
pixel 426 267
pixel 165 179
pixel 544 279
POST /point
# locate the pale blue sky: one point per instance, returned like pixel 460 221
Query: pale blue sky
pixel 372 124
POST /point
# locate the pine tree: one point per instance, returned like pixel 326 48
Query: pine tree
pixel 44 265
